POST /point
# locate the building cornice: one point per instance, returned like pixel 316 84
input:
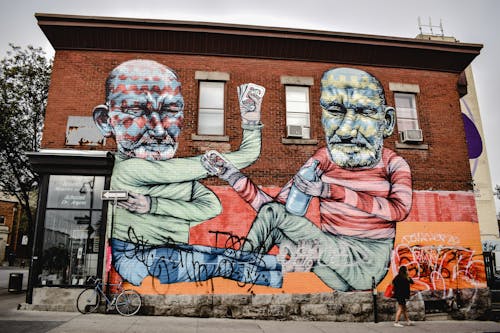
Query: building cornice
pixel 70 32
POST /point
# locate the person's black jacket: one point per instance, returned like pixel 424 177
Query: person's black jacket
pixel 402 287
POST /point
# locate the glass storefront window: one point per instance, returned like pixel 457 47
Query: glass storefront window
pixel 71 232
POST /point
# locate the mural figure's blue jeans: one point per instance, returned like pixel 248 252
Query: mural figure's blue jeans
pixel 193 263
pixel 345 263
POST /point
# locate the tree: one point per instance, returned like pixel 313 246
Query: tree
pixel 24 84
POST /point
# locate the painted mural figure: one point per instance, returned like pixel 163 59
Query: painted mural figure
pixel 150 234
pixel 363 188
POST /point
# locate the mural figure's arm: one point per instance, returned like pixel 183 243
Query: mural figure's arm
pixel 219 166
pixel 190 201
pixel 203 205
pixel 251 193
pixel 395 207
pixel 131 171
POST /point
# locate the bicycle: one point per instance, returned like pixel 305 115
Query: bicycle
pixel 127 302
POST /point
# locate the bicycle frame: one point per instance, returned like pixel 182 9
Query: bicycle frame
pixel 98 287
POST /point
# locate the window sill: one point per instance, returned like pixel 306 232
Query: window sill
pixel 289 141
pixel 421 146
pixel 219 138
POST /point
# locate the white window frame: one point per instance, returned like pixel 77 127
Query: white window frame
pixel 406 116
pixel 211 109
pixel 412 89
pixel 298 108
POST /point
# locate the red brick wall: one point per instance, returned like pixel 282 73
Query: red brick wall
pixel 7 211
pixel 78 85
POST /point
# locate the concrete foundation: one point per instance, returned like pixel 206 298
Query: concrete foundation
pixel 337 306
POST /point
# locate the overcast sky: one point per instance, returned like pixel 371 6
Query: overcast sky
pixel 472 21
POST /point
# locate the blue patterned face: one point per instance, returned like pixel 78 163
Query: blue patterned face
pixel 354 117
pixel 145 109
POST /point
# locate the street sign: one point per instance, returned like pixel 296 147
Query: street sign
pixel 114 195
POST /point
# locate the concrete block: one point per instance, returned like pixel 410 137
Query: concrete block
pixel 278 311
pixel 236 299
pixel 283 299
pixel 301 298
pixel 263 299
pixel 314 309
pixel 254 312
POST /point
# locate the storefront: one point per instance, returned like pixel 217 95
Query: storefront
pixel 71 223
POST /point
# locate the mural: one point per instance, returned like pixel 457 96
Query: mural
pixel 332 225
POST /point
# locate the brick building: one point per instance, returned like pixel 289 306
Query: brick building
pixel 439 239
pixel 10 217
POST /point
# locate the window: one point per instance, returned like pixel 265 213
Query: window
pixel 82 131
pixel 297 111
pixel 72 227
pixel 2 219
pixel 211 108
pixel 406 111
pixel 405 100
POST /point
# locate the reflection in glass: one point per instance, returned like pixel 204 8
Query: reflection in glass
pixel 72 223
pixel 75 192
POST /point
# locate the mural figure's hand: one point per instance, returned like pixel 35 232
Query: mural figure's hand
pixel 136 203
pixel 316 188
pixel 250 96
pixel 217 165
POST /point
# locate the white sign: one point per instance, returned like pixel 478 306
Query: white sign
pixel 114 195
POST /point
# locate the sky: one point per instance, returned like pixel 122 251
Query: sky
pixel 469 21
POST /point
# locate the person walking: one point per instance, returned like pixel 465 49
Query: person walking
pixel 401 285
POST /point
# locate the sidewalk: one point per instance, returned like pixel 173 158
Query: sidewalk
pixel 73 322
pixel 14 321
pixel 19 321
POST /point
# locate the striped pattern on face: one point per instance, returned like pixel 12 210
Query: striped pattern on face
pixel 351 88
pixel 353 116
pixel 146 109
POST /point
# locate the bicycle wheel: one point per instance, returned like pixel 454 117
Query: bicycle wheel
pixel 128 302
pixel 88 301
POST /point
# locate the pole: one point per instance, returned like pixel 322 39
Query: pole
pixel 374 294
pixel 113 204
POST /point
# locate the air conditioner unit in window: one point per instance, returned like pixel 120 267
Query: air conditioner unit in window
pixel 413 135
pixel 294 131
